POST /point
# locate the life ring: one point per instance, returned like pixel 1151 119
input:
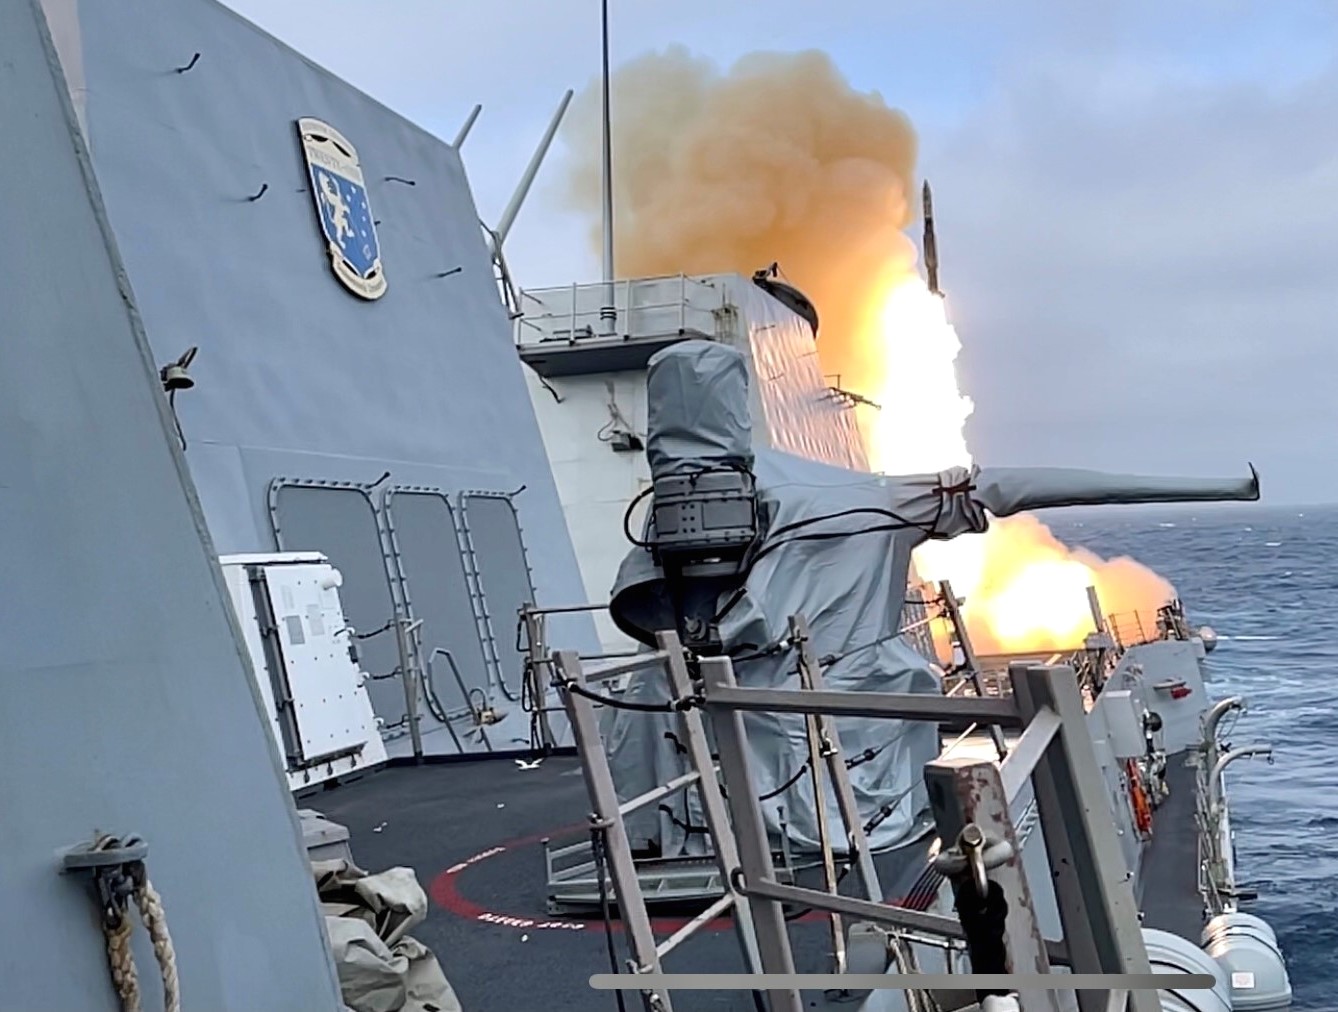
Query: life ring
pixel 1138 798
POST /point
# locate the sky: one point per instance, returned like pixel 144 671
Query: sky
pixel 1137 207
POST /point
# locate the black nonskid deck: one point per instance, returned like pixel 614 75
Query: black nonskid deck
pixel 473 834
pixel 1168 882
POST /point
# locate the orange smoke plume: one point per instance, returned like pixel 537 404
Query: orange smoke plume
pixel 780 160
pixel 776 160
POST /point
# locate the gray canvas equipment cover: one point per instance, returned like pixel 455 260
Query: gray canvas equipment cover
pixel 382 968
pixel 835 546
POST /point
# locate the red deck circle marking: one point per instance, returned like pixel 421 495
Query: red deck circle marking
pixel 446 894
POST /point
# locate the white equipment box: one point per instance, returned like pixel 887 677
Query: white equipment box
pixel 301 651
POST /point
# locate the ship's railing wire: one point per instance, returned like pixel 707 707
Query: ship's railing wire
pixel 644 307
pixel 1128 629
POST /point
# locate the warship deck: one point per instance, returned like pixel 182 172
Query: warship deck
pixel 1169 879
pixel 473 832
pixel 487 921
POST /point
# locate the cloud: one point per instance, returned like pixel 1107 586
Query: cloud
pixel 1140 262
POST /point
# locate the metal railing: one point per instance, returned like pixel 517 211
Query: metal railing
pixel 970 799
pixel 1129 630
pixel 1096 904
pixel 608 813
pixel 558 314
pixel 537 676
pixel 1217 872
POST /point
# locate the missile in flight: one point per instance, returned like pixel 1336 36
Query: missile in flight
pixel 930 244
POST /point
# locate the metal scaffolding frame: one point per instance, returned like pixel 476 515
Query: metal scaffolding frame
pixel 608 813
pixel 1096 903
pixel 970 801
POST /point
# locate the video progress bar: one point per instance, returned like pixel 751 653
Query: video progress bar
pixel 902 981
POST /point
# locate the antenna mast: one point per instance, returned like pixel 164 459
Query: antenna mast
pixel 608 313
pixel 527 180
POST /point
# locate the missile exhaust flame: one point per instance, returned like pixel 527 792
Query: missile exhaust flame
pixel 1024 590
pixel 779 159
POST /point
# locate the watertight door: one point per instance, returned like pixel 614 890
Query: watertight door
pixel 437 587
pixel 340 522
pixel 492 530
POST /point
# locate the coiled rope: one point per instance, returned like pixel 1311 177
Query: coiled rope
pixel 917 999
pixel 131 879
pixel 124 976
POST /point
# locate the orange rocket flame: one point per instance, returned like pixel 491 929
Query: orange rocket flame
pixel 1024 590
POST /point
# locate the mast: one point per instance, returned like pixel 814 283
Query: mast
pixel 531 171
pixel 608 313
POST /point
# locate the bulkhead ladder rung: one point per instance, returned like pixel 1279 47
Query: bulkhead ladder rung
pixel 656 793
pixel 716 909
pixel 641 662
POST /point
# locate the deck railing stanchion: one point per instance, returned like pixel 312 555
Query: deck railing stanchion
pixel 1092 885
pixel 773 940
pixel 607 819
pixel 713 801
pixel 967 791
pixel 609 813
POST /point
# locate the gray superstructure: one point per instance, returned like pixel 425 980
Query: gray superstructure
pixel 395 435
pixel 295 491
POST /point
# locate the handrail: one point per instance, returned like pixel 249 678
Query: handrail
pixel 556 316
pixel 843 703
pixel 641 662
pixel 537 293
pixel 966 795
pixel 1214 717
pixel 563 609
pixel 1215 777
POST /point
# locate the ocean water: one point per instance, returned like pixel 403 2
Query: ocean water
pixel 1266 579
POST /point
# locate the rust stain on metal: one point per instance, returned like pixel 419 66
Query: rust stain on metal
pixel 978 796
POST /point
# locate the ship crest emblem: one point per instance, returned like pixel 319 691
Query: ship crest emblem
pixel 340 193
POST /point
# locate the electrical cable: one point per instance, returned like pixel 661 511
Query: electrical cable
pixel 650 489
pixel 627 517
pixel 374 632
pixel 597 845
pixel 673 706
pixel 900 523
pixel 768 548
pixel 787 785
